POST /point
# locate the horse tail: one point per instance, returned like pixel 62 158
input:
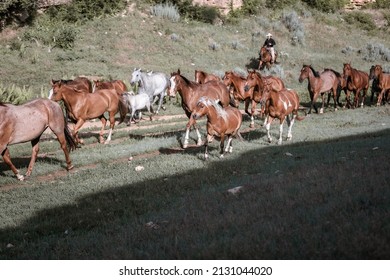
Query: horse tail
pixel 70 141
pixel 122 109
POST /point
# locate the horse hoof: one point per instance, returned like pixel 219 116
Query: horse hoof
pixel 185 146
pixel 252 125
pixel 69 167
pixel 20 177
pixel 199 143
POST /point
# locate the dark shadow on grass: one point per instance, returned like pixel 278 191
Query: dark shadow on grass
pixel 318 201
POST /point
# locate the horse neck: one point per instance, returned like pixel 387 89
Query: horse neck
pixel 239 84
pixel 185 90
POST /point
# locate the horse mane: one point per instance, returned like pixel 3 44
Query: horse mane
pixel 2 104
pixel 211 102
pixel 316 74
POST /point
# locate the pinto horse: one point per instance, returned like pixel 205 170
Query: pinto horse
pixel 357 81
pixel 265 58
pixel 318 84
pixel 202 77
pixel 190 93
pixel 282 104
pixel 82 106
pixel 27 122
pixel 221 122
pixel 119 86
pixel 256 81
pixel 382 82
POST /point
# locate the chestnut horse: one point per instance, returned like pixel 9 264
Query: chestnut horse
pixel 281 104
pixel 265 58
pixel 81 83
pixel 256 81
pixel 190 93
pixel 27 122
pixel 221 122
pixel 383 82
pixel 202 77
pixel 318 84
pixel 357 81
pixel 231 79
pixel 119 86
pixel 83 106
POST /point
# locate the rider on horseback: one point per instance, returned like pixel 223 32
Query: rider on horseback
pixel 269 44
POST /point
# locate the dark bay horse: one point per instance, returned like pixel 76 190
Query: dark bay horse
pixel 319 84
pixel 265 58
pixel 282 104
pixel 202 77
pixel 232 79
pixel 221 122
pixel 82 106
pixel 256 81
pixel 357 81
pixel 190 93
pixel 81 83
pixel 382 82
pixel 119 86
pixel 27 122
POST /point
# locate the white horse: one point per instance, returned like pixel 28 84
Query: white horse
pixel 154 84
pixel 137 102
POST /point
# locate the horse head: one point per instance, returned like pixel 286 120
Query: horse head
pixel 136 76
pixel 304 73
pixel 347 70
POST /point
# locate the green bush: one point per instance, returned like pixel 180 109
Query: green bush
pixel 280 4
pixel 360 19
pixel 381 4
pixel 326 5
pixel 19 11
pixel 14 94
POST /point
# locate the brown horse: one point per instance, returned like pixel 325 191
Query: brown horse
pixel 83 106
pixel 190 93
pixel 27 122
pixel 265 58
pixel 357 81
pixel 232 79
pixel 221 122
pixel 119 86
pixel 318 84
pixel 382 82
pixel 281 104
pixel 256 81
pixel 80 83
pixel 202 77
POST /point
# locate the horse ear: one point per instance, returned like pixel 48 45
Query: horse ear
pixel 178 71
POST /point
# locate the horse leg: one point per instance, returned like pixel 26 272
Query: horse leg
pixel 61 138
pixel 76 129
pixel 221 145
pixel 250 114
pixel 380 97
pixel 34 154
pixel 206 144
pixel 281 130
pixel 323 103
pixel 267 127
pixel 199 142
pixel 104 122
pixel 363 97
pixel 229 147
pixel 112 124
pixel 290 125
pixel 7 159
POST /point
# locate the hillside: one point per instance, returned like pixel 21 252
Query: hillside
pixel 112 47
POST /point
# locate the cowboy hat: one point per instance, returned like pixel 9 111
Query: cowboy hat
pixel 269 35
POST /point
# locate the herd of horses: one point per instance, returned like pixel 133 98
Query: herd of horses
pixel 208 95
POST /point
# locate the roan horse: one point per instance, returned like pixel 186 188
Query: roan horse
pixel 319 84
pixel 357 81
pixel 190 93
pixel 119 86
pixel 281 104
pixel 136 102
pixel 82 106
pixel 202 77
pixel 256 81
pixel 383 82
pixel 265 58
pixel 221 122
pixel 153 84
pixel 27 122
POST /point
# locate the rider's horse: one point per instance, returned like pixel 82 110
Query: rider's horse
pixel 221 122
pixel 27 122
pixel 190 93
pixel 265 58
pixel 357 81
pixel 319 84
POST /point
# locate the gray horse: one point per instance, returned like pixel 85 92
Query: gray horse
pixel 153 84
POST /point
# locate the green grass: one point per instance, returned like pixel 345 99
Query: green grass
pixel 324 195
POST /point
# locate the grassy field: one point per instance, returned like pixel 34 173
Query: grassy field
pixel 324 195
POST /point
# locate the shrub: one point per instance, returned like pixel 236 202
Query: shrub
pixel 360 19
pixel 280 4
pixel 296 28
pixel 381 4
pixel 375 52
pixel 328 6
pixel 14 94
pixel 167 10
pixel 19 11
